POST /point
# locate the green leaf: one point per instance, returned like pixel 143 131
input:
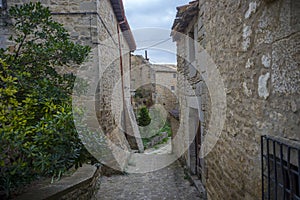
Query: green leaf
pixel 37 132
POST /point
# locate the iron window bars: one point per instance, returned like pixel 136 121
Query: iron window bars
pixel 280 162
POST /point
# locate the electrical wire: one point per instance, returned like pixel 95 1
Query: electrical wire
pixel 154 45
pixel 140 49
pixel 156 40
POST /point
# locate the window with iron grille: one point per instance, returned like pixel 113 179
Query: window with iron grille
pixel 280 169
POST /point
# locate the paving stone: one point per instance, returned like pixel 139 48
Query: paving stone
pixel 167 183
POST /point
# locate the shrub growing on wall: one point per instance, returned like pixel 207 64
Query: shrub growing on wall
pixel 37 133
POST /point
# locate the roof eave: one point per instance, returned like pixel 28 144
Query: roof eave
pixel 184 16
pixel 119 11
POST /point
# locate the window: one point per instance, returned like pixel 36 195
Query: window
pixel 172 88
pixel 280 169
pixel 2 4
pixel 191 47
pixel 174 75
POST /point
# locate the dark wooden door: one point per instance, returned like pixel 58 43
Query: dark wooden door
pixel 198 147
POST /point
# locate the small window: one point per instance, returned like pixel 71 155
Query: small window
pixel 172 88
pixel 2 4
pixel 191 47
pixel 174 75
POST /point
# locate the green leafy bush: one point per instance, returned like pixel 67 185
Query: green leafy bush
pixel 165 128
pixel 37 133
pixel 143 117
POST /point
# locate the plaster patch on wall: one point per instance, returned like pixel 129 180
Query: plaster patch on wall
pixel 263 21
pixel 264 28
pixel 262 85
pixel 247 31
pixel 246 36
pixel 251 9
pixel 266 60
pixel 246 90
pixel 249 64
pixel 246 44
pixel 268 37
pixel 294 106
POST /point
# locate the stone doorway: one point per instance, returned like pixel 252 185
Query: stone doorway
pixel 198 148
pixel 195 162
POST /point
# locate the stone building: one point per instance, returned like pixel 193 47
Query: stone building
pixel 166 75
pixel 166 81
pixel 238 89
pixel 142 81
pixel 153 86
pixel 103 26
pixel 158 79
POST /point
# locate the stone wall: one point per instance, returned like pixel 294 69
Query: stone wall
pixel 166 75
pixel 141 72
pixel 166 81
pixel 142 78
pixel 255 46
pixel 166 97
pixel 160 79
pixel 157 139
pixel 82 185
pixel 94 23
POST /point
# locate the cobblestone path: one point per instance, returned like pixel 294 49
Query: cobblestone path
pixel 168 183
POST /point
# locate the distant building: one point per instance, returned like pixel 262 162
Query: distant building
pixel 142 82
pixel 161 80
pixel 166 85
pixel 166 75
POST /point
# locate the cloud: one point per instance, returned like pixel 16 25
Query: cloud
pixel 160 14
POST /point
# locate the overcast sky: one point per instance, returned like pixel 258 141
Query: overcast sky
pixel 151 22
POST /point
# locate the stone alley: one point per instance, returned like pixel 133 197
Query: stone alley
pixel 167 183
pixel 193 99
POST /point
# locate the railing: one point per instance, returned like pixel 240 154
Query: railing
pixel 280 169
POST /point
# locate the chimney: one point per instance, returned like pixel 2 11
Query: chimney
pixel 146 55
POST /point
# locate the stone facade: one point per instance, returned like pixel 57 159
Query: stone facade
pixel 166 81
pixel 255 48
pixel 141 72
pixel 142 79
pixel 103 26
pixel 82 185
pixel 166 75
pixel 160 79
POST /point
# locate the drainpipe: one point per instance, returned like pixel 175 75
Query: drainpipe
pixel 122 78
pixel 131 98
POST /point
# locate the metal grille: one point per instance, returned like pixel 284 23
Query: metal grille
pixel 280 169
